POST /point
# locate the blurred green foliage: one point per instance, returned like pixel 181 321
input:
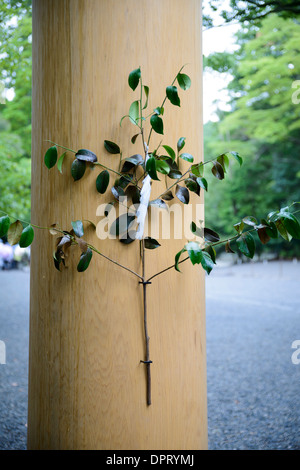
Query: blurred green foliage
pixel 263 126
pixel 15 115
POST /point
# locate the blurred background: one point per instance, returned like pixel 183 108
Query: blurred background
pixel 252 106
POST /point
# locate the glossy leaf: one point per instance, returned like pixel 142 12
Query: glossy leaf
pixel 86 156
pixel 211 235
pixel 78 169
pixel 157 124
pixel 78 228
pixel 192 185
pixel 14 233
pixel 172 95
pixel 175 174
pixel 159 110
pixel 170 152
pixel 151 168
pixel 187 157
pixel 224 161
pixel 158 203
pixel 184 81
pixel 128 237
pixel 202 183
pixel 250 221
pixel 117 192
pixel 4 225
pixel 162 167
pixel 212 253
pixel 27 237
pixel 131 162
pixel 111 147
pixel 151 243
pixel 85 260
pixel 51 157
pixel 102 182
pixel 168 196
pixel 218 170
pixel 134 78
pixel 181 143
pixel 282 230
pixel 182 194
pixel 263 235
pixel 239 227
pixel 237 157
pixel 246 244
pixel 291 224
pixel 197 169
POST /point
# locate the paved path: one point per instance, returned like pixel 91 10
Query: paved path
pixel 253 317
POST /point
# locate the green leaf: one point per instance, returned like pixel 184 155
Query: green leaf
pixel 78 169
pixel 151 168
pixel 51 157
pixel 291 224
pixel 211 235
pixel 85 260
pixel 162 167
pixel 224 161
pixel 134 78
pixel 181 143
pixel 111 147
pixel 246 244
pixel 182 194
pixel 134 112
pixel 146 90
pixel 14 233
pixel 187 157
pixel 237 157
pixel 4 225
pixel 202 183
pixel 86 156
pixel 102 182
pixel 170 152
pixel 60 162
pixel 239 227
pixel 207 262
pixel 172 95
pixel 151 243
pixel 250 220
pixel 218 170
pixel 212 253
pixel 282 230
pixel 197 169
pixel 194 252
pixel 177 257
pixel 184 81
pixel 192 185
pixel 133 139
pixel 175 174
pixel 157 124
pixel 27 237
pixel 159 110
pixel 78 228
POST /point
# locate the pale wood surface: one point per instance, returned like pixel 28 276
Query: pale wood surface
pixel 87 388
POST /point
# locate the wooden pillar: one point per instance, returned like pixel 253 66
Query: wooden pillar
pixel 87 387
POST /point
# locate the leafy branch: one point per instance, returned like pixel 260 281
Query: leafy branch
pixel 134 178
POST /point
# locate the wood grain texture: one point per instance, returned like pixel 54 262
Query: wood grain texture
pixel 87 388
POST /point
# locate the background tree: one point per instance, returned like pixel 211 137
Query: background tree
pixel 262 125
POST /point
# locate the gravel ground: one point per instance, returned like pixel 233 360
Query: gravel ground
pixel 253 317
